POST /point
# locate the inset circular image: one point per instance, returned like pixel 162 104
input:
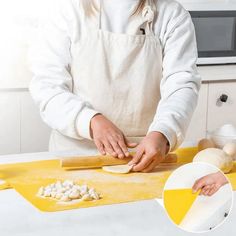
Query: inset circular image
pixel 198 197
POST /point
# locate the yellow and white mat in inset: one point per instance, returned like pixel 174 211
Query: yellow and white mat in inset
pixel 178 202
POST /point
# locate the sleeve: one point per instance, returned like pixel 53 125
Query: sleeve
pixel 180 83
pixel 52 83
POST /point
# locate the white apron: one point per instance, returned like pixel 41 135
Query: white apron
pixel 118 75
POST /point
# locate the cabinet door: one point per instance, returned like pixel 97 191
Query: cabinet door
pixel 34 133
pixel 197 127
pixel 9 123
pixel 221 109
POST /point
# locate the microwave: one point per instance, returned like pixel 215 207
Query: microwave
pixel 215 27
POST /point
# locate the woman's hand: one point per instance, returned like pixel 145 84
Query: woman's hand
pixel 210 184
pixel 108 138
pixel 150 152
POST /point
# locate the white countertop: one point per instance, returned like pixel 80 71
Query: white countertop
pixel 216 73
pixel 211 73
pixel 19 218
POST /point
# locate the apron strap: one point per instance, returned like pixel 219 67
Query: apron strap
pixel 148 14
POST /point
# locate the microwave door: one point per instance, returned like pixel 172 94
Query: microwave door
pixel 216 36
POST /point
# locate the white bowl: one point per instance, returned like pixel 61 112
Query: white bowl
pixel 221 140
pixel 223 135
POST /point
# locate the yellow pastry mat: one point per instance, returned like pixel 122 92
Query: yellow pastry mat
pixel 27 178
pixel 178 202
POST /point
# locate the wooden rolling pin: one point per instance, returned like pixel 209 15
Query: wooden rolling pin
pixel 87 162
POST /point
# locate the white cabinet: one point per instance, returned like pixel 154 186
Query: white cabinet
pixel 21 128
pixel 221 112
pixel 197 127
pixel 34 133
pixel 216 107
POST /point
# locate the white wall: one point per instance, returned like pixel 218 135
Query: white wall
pixel 21 128
pixel 18 21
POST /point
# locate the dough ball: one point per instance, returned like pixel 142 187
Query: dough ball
pixel 216 157
pixel 118 169
pixel 205 143
pixel 230 149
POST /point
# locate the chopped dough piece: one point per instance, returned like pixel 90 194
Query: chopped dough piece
pixel 65 198
pixel 118 169
pixel 68 191
pixel 74 194
pixel 87 197
pixel 41 191
pixel 58 195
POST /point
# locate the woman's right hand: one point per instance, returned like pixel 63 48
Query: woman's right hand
pixel 108 138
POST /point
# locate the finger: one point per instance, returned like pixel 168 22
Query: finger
pixel 131 145
pixel 207 192
pixel 136 158
pixel 117 149
pixel 203 191
pixel 200 183
pixel 151 166
pixel 218 186
pixel 109 149
pixel 145 162
pixel 209 188
pixel 100 147
pixel 206 189
pixel 213 191
pixel 123 147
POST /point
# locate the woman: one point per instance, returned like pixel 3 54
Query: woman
pixel 116 74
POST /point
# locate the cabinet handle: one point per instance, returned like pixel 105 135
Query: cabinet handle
pixel 224 98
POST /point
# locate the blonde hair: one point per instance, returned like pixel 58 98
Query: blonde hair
pixel 139 7
pixel 90 7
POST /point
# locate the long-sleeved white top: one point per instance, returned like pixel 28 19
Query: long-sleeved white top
pixel 50 58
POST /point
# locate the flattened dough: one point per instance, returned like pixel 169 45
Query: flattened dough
pixel 118 169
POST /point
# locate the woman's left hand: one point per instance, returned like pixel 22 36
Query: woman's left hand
pixel 150 152
pixel 210 184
